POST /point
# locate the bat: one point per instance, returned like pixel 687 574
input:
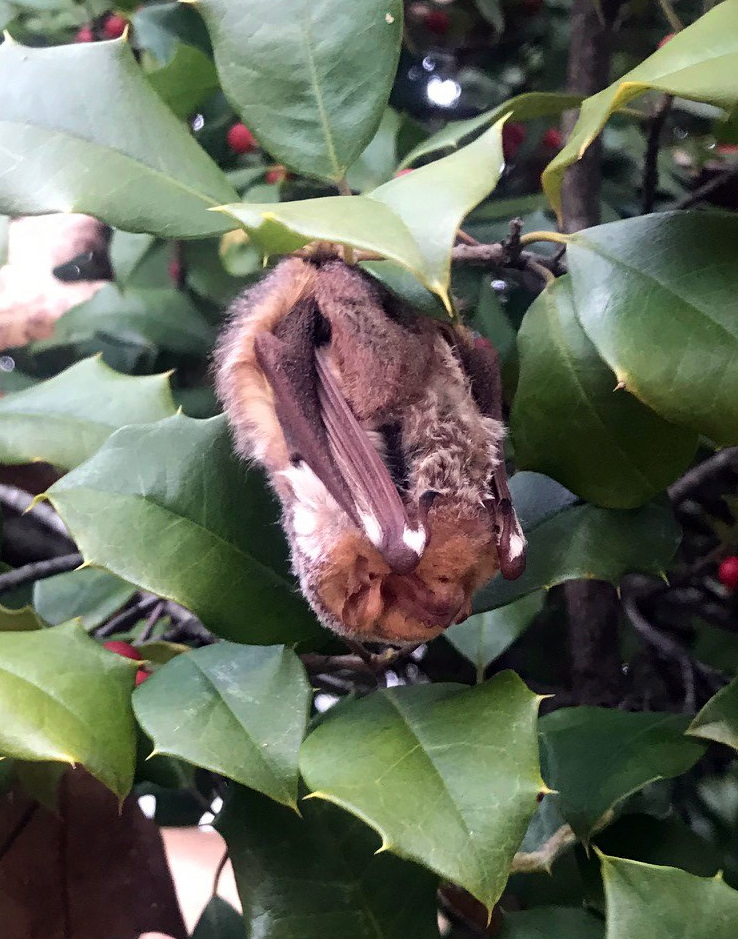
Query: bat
pixel 381 433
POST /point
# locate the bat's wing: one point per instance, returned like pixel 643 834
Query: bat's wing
pixel 482 364
pixel 320 428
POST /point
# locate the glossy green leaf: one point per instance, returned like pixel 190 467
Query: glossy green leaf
pixel 649 902
pixel 595 757
pixel 310 80
pixel 168 507
pixel 119 153
pixel 162 318
pixel 219 921
pixel 718 719
pixel 694 64
pixel 378 161
pixel 318 877
pixel 447 775
pixel 570 422
pixel 552 922
pixel 411 220
pixel 89 594
pixel 17 621
pixel 184 82
pixel 65 698
pixel 656 296
pixel 240 711
pixel 65 419
pixel 577 540
pixel 485 636
pixel 521 108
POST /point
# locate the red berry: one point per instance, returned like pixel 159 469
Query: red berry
pixel 665 40
pixel 276 174
pixel 115 26
pixel 728 572
pixel 437 22
pixel 240 139
pixel 84 34
pixel 175 271
pixel 141 676
pixel 552 138
pixel 123 648
pixel 512 137
pixel 404 172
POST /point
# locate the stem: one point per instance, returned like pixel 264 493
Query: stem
pixel 651 164
pixel 554 236
pixel 670 14
pixel 721 179
pixel 39 570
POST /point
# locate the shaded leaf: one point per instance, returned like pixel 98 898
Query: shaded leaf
pixel 65 419
pixel 378 161
pixel 594 757
pixel 547 922
pixel 22 620
pixel 522 107
pixel 168 507
pixel 693 64
pixel 317 877
pixel 576 540
pixel 158 317
pixel 656 296
pixel 219 921
pixel 649 902
pixel 718 719
pixel 89 594
pixel 485 636
pixel 120 154
pixel 570 422
pixel 184 82
pixel 447 775
pixel 236 710
pixel 65 698
pixel 41 780
pixel 310 80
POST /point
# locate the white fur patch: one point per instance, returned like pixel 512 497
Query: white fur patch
pixel 414 539
pixel 517 545
pixel 372 528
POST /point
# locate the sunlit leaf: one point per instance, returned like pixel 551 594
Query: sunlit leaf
pixel 718 719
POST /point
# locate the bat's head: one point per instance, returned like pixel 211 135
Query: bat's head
pixel 373 602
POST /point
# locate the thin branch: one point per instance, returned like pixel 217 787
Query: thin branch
pixel 671 16
pixel 651 163
pixel 24 503
pixel 39 570
pixel 128 617
pixel 720 179
pixel 701 473
pixel 151 622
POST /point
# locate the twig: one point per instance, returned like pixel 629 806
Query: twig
pixel 151 622
pixel 720 179
pixel 651 163
pixel 39 570
pixel 699 474
pixel 128 617
pixel 671 16
pixel 23 502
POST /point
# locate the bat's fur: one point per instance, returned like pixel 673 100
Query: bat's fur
pixel 403 378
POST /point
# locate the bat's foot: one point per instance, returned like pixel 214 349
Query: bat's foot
pixel 379 662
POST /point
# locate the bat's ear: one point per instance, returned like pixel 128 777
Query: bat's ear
pixel 511 542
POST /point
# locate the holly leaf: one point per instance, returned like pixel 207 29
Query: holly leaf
pixel 240 711
pixel 569 420
pixel 693 65
pixel 310 80
pixel 169 508
pixel 718 719
pixel 649 902
pixel 568 540
pixel 671 338
pixel 219 921
pixel 185 81
pixel 67 699
pixel 107 161
pixel 595 757
pixel 447 775
pixel 65 419
pixel 319 877
pixel 87 594
pixel 546 922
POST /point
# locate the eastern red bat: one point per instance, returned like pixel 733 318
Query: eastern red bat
pixel 381 433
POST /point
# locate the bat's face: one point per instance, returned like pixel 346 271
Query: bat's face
pixel 372 602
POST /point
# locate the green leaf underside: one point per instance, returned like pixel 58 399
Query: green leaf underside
pixel 310 80
pixel 169 508
pixel 89 594
pixel 64 698
pixel 694 64
pixel 448 776
pixel 718 719
pixel 236 710
pixel 570 422
pixel 656 296
pixel 411 220
pixel 595 757
pixel 520 108
pixel 65 419
pixel 219 921
pixel 580 540
pixel 318 877
pixel 649 902
pixel 120 154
